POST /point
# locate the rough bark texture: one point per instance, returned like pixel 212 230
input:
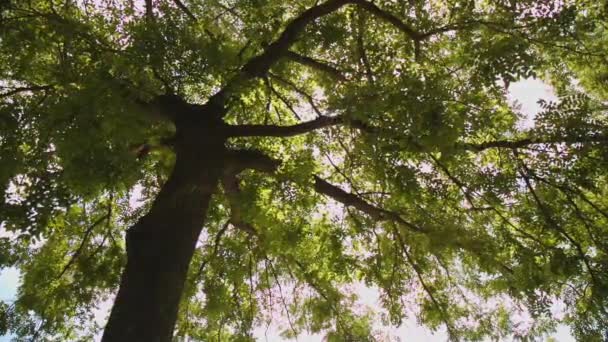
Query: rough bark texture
pixel 161 244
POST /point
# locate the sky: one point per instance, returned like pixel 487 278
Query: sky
pixel 524 94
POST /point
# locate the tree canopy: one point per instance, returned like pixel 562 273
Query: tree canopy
pixel 286 152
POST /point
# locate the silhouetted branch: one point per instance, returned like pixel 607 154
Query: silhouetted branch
pixel 524 172
pixel 513 144
pixel 84 241
pixel 240 160
pixel 259 65
pixel 237 162
pixel 389 18
pixel 149 10
pixel 350 200
pixel 315 64
pixel 307 96
pixel 218 237
pixel 18 90
pixel 286 308
pixel 185 9
pixel 425 286
pixel 361 47
pixel 284 100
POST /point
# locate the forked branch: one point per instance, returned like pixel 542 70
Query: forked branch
pixel 185 9
pixel 259 65
pixel 315 64
pixel 236 162
pixel 389 18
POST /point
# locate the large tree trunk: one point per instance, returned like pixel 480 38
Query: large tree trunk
pixel 161 244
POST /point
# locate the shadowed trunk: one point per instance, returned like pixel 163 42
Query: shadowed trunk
pixel 161 244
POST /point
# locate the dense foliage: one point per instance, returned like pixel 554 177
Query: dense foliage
pixel 410 174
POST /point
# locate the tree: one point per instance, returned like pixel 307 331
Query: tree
pixel 301 146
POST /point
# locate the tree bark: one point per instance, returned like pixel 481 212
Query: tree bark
pixel 161 244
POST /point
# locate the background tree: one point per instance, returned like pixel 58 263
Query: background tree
pixel 285 146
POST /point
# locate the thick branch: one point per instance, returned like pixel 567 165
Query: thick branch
pixel 232 190
pixel 478 147
pixel 389 18
pixel 350 200
pixel 259 65
pixel 514 144
pixel 175 109
pixel 315 64
pixel 327 121
pixel 361 47
pixel 184 9
pixel 468 24
pixel 283 131
pixel 149 10
pixel 238 161
pixel 448 28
